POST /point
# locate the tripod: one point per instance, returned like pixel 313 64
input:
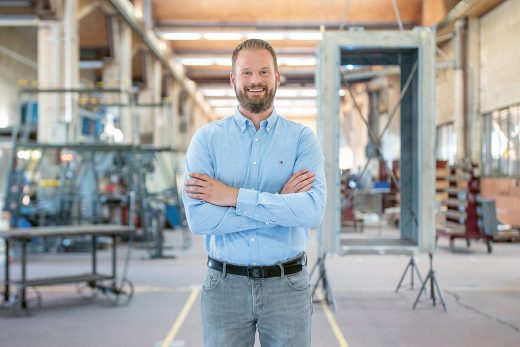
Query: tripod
pixel 413 268
pixel 434 286
pixel 322 277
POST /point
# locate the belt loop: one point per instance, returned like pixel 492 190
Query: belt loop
pixel 282 271
pixel 224 270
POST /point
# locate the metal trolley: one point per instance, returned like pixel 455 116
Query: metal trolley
pixel 118 291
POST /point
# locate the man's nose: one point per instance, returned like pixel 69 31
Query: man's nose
pixel 255 78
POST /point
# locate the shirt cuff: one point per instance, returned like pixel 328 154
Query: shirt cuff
pixel 246 202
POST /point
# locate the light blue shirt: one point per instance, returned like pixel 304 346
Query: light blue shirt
pixel 265 227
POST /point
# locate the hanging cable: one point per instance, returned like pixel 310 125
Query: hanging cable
pixel 397 15
pixel 345 15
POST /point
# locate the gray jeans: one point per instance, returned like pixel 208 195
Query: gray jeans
pixel 233 307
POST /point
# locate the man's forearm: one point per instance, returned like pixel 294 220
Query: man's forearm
pixel 298 209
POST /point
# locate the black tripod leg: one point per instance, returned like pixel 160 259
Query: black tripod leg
pixel 441 294
pixel 418 274
pixel 423 287
pixel 403 276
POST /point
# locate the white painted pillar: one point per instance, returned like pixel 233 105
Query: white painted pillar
pixel 49 76
pixel 475 121
pixel 173 134
pixel 159 135
pixel 70 30
pixel 117 73
pixel 458 111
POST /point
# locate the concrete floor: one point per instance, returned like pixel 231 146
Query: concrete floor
pixel 482 292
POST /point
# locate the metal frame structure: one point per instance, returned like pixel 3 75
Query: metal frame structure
pixel 414 52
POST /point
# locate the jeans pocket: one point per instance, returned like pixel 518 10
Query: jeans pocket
pixel 212 279
pixel 298 281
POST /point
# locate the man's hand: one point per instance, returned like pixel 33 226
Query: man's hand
pixel 209 189
pixel 301 181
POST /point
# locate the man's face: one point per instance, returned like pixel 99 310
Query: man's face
pixel 255 80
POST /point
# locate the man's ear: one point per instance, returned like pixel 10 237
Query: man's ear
pixel 278 78
pixel 231 79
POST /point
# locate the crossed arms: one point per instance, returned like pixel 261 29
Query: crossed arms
pixel 212 207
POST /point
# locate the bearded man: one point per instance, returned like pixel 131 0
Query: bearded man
pixel 255 184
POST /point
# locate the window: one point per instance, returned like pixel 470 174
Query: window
pixel 501 142
pixel 446 143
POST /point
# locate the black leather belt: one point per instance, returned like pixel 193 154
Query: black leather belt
pixel 290 267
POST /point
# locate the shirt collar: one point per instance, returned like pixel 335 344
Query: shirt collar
pixel 242 121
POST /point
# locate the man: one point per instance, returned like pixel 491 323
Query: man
pixel 256 185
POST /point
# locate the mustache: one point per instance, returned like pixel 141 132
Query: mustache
pixel 256 85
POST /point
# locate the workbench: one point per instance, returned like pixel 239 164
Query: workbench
pixel 94 280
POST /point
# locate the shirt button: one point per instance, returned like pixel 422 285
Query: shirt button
pixel 256 140
pixel 245 212
pixel 252 239
pixel 268 129
pixel 254 163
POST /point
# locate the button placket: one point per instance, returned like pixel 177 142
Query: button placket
pixel 255 157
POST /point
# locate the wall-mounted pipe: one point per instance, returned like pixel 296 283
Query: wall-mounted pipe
pixel 460 101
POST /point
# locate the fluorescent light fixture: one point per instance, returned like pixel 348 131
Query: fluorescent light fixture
pixel 235 36
pixel 294 103
pixel 309 93
pixel 268 36
pixel 350 67
pixel 180 36
pixel 218 92
pixel 197 61
pixel 281 93
pixel 287 93
pixel 306 36
pixel 223 102
pixel 296 110
pixel 308 61
pixel 223 62
pixel 223 36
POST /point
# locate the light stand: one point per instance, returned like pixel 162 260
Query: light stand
pixel 322 277
pixel 434 286
pixel 413 268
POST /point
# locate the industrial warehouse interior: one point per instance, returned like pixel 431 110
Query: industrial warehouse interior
pixel 416 107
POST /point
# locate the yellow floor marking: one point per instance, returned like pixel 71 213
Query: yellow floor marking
pixel 332 321
pixel 180 319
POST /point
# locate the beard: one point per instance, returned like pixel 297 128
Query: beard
pixel 255 104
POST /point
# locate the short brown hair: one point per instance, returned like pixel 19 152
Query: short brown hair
pixel 254 44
